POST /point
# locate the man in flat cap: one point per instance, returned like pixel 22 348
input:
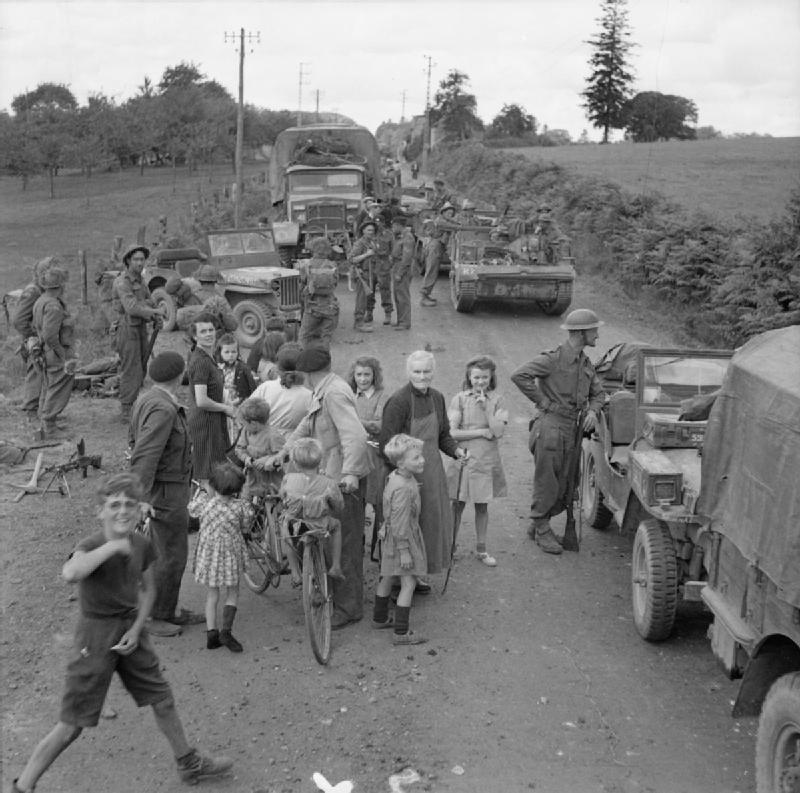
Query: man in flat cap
pixel 161 457
pixel 133 309
pixel 332 420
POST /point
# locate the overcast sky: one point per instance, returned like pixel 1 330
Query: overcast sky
pixel 738 60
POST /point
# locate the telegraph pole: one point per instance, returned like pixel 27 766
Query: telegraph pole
pixel 426 142
pixel 403 111
pixel 237 199
pixel 316 114
pixel 302 74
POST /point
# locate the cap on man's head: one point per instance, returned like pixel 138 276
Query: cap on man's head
pixel 313 359
pixel 126 257
pixel 367 223
pixel 166 366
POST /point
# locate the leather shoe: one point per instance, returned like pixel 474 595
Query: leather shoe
pixel 422 588
pixel 186 617
pixel 428 301
pixel 339 621
pixel 548 542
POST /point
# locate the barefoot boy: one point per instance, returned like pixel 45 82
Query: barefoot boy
pixel 116 592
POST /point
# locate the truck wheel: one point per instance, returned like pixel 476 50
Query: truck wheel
pixel 558 306
pixel 654 581
pixel 252 319
pixel 161 298
pixel 597 514
pixel 462 295
pixel 777 762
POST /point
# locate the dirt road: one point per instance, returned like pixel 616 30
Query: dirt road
pixel 533 679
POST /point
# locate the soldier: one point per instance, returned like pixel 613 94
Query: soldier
pixel 403 248
pixel 133 309
pixel 56 329
pixel 363 213
pixel 440 196
pixel 362 258
pixel 567 393
pixel 435 251
pixel 320 306
pixel 30 347
pixel 206 299
pixel 382 272
pixel 467 215
pixel 548 235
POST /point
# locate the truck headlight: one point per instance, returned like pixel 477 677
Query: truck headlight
pixel 665 492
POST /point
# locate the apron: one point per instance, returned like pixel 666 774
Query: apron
pixel 436 513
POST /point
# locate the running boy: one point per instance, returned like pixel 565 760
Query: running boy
pixel 112 568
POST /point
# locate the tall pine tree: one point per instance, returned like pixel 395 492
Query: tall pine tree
pixel 608 87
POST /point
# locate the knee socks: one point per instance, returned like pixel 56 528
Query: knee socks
pixel 380 611
pixel 401 615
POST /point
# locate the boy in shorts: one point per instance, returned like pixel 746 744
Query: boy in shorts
pixel 116 592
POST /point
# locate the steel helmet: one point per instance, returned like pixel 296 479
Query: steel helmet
pixel 53 277
pixel 581 319
pixel 206 273
pixel 445 207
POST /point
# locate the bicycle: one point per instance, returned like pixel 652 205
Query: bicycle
pixel 264 562
pixel 317 597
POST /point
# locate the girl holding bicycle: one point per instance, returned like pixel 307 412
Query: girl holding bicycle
pixel 219 559
pixel 403 547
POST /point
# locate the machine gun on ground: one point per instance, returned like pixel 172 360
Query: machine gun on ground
pixel 78 460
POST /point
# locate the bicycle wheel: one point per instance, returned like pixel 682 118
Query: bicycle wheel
pixel 317 602
pixel 257 570
pixel 274 547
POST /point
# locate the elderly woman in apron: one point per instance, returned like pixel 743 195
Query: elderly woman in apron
pixel 419 410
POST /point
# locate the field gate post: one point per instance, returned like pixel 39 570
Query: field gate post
pixel 84 278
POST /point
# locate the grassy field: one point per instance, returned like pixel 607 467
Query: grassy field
pixel 752 177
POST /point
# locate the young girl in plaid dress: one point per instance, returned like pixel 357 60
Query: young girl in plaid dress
pixel 220 556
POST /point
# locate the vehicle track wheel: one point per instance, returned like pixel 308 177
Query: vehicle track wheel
pixel 161 297
pixel 463 295
pixel 778 738
pixel 317 602
pixel 654 581
pixel 557 307
pixel 597 514
pixel 252 319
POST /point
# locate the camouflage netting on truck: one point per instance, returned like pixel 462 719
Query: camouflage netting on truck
pixel 322 152
pixel 751 456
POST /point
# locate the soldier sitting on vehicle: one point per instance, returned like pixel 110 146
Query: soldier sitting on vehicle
pixel 440 196
pixel 549 236
pixel 206 298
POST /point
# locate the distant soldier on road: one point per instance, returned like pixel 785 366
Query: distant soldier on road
pixel 403 249
pixel 382 281
pixel 133 308
pixel 362 263
pixel 564 387
pixel 30 347
pixel 435 251
pixel 320 306
pixel 55 328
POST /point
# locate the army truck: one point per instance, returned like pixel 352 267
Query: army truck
pixel 318 177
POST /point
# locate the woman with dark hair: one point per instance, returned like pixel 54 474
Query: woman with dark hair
pixel 287 396
pixel 366 380
pixel 208 412
pixel 262 359
pixel 418 410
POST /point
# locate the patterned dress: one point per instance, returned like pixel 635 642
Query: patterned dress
pixel 209 430
pixel 220 555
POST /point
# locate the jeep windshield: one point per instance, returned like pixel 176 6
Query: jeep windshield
pixel 241 243
pixel 325 181
pixel 670 378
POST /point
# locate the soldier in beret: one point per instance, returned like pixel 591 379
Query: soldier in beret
pixel 56 329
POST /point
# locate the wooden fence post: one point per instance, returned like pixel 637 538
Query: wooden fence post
pixel 84 278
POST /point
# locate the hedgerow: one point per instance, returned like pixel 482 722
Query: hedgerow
pixel 730 280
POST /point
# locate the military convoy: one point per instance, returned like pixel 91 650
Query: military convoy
pixel 318 177
pixel 710 488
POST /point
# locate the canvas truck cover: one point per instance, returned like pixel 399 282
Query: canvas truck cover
pixel 347 141
pixel 751 458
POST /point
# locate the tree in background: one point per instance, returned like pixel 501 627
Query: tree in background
pixel 609 84
pixel 454 108
pixel 651 116
pixel 513 121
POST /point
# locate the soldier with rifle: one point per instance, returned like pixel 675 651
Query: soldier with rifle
pixel 362 264
pixel 133 309
pixel 568 394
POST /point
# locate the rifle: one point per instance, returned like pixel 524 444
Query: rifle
pixel 571 537
pixel 157 324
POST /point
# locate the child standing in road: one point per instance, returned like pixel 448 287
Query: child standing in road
pixel 239 381
pixel 403 549
pixel 116 591
pixel 313 499
pixel 221 551
pixel 478 419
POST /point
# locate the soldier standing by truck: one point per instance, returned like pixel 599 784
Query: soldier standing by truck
pixel 320 306
pixel 382 269
pixel 133 309
pixel 435 251
pixel 56 330
pixel 362 263
pixel 403 248
pixel 30 348
pixel 568 394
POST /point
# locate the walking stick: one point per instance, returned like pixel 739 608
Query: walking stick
pixel 461 464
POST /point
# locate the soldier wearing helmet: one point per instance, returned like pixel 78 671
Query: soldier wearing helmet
pixel 466 217
pixel 319 277
pixel 547 236
pixel 440 196
pixel 436 250
pixel 55 329
pixel 566 391
pixel 30 348
pixel 133 308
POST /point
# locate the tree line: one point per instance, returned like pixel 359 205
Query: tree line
pixel 184 119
